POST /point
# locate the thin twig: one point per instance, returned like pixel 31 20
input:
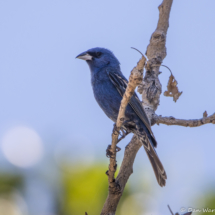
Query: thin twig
pixel 138 51
pixel 167 68
pixel 170 210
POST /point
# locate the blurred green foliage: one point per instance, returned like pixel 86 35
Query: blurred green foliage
pixel 9 182
pixel 85 189
pixel 9 185
pixel 208 202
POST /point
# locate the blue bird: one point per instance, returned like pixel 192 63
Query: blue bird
pixel 109 85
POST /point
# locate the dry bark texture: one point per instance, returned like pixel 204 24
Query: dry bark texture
pixel 156 51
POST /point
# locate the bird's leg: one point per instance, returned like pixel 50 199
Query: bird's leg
pixel 128 125
pixel 123 134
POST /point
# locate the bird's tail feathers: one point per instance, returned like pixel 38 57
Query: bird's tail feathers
pixel 157 166
pixel 154 159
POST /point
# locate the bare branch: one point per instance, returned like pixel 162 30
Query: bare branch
pixel 183 122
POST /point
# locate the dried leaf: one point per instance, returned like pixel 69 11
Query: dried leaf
pixel 172 89
pixel 205 114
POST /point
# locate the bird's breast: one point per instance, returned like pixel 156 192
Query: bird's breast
pixel 107 97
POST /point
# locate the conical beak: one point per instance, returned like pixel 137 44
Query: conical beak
pixel 84 56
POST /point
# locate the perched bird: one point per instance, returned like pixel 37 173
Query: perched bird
pixel 109 85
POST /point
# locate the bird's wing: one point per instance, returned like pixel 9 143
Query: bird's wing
pixel 121 83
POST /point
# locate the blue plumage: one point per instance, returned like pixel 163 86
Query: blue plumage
pixel 109 85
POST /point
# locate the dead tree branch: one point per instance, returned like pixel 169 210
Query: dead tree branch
pixel 156 52
pixel 151 89
pixel 183 122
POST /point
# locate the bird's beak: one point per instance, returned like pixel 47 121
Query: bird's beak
pixel 84 56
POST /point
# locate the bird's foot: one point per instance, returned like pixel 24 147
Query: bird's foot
pixel 123 134
pixel 109 151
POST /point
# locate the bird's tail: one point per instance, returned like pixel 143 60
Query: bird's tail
pixel 157 166
pixel 154 159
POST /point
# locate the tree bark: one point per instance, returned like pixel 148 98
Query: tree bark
pixel 151 87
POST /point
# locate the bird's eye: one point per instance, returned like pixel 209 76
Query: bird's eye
pixel 98 54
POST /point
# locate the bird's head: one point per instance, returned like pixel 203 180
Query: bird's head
pixel 98 58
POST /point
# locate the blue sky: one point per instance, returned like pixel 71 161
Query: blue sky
pixel 43 86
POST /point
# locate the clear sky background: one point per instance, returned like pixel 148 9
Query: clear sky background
pixel 43 86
